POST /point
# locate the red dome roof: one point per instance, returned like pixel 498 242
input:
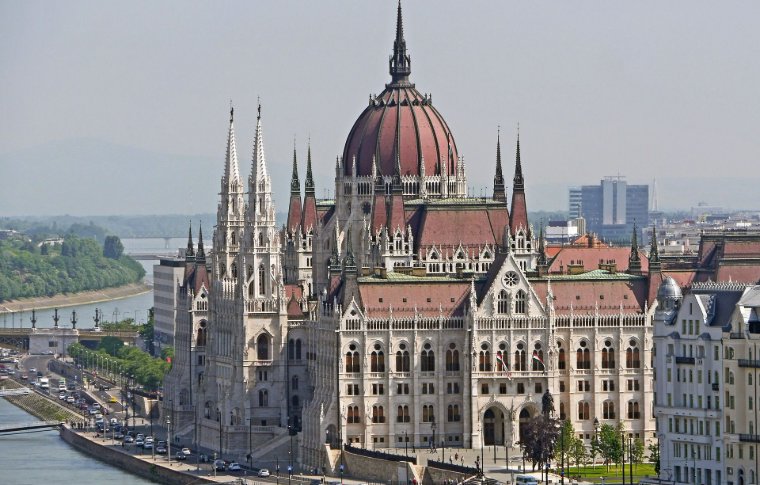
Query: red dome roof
pixel 400 120
pixel 400 124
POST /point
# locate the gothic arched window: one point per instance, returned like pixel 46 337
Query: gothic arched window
pixel 402 359
pixel 583 356
pixel 452 358
pixel 427 359
pixel 521 363
pixel 632 357
pixel 262 347
pixel 608 356
pixel 262 273
pixel 484 358
pixel 352 359
pixel 377 359
pixel 520 307
pixel 503 302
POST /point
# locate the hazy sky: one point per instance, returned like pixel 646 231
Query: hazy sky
pixel 644 89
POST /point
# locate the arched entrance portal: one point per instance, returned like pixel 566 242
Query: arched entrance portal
pixel 524 418
pixel 493 426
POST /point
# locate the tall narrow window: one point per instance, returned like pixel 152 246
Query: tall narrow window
pixel 503 302
pixel 262 272
pixel 520 307
pixel 452 358
pixel 427 359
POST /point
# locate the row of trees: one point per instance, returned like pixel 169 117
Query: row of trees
pixel 148 371
pixel 546 439
pixel 76 265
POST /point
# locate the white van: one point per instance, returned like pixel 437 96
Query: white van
pixel 525 480
pixel 44 383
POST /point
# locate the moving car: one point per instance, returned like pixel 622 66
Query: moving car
pixel 234 467
pixel 263 472
pixel 219 465
pixel 186 451
pixel 179 456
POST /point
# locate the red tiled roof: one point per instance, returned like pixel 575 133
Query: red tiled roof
pixel 589 240
pixel 398 116
pixel 294 308
pixel 309 220
pixel 738 273
pixel 379 213
pixel 397 216
pixel 584 296
pixel 742 248
pixel 294 213
pixel 519 212
pixel 591 258
pixel 429 297
pixel 470 226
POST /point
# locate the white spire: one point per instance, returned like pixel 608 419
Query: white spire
pixel 259 167
pixel 231 170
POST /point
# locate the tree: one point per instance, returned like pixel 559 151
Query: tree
pixel 541 434
pixel 637 453
pixel 654 457
pixel 610 445
pixel 565 442
pixel 578 452
pixel 112 248
pixel 111 345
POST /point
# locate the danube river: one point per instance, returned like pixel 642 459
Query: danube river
pixel 135 307
pixel 43 457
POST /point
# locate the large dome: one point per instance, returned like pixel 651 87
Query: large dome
pixel 400 124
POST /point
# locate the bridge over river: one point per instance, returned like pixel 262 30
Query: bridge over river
pixel 57 340
pixel 16 427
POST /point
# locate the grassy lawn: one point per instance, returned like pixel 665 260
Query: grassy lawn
pixel 595 473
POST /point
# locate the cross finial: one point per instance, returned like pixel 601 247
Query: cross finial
pixel 258 100
pixel 232 111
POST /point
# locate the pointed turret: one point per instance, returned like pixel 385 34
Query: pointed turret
pixel 309 218
pixel 499 191
pixel 654 255
pixel 542 259
pixel 400 63
pixel 634 259
pixel 309 183
pixel 201 255
pixel 231 170
pixel 190 251
pixel 259 164
pixel 519 212
pixel 294 209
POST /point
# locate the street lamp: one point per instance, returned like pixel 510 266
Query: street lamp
pixel 432 428
pixel 169 439
pixel 562 453
pixel 219 420
pixel 595 444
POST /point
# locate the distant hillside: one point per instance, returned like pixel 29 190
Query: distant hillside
pixel 95 177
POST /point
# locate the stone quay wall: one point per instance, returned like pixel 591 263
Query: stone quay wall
pixel 131 464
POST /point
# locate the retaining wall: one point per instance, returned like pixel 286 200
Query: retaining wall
pixel 131 464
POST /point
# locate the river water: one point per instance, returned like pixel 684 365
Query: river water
pixel 43 457
pixel 135 307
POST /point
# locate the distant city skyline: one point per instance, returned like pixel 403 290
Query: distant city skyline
pixel 122 108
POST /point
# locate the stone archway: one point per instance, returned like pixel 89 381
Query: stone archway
pixel 493 426
pixel 524 417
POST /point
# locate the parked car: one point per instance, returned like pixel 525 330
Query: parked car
pixel 234 467
pixel 263 472
pixel 219 465
pixel 139 442
pixel 179 456
pixel 186 451
pixel 129 439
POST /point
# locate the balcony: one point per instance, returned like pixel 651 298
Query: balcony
pixel 685 360
pixel 749 438
pixel 749 363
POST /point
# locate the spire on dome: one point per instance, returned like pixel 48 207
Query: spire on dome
pixel 295 182
pixel 309 178
pixel 400 63
pixel 190 252
pixel 231 170
pixel 499 192
pixel 201 256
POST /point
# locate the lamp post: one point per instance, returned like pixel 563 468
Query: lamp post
pixel 168 439
pixel 595 444
pixel 562 453
pixel 622 443
pixel 219 420
pixel 250 431
pixel 432 428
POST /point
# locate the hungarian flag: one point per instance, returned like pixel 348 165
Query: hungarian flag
pixel 500 360
pixel 536 357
